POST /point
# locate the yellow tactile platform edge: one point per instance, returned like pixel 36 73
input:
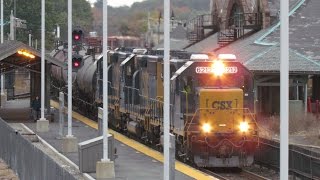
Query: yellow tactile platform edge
pixel 140 147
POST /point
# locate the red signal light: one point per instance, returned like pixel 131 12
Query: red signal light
pixel 76 64
pixel 76 37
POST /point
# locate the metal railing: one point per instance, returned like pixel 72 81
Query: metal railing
pixel 303 163
pixel 27 160
pixel 196 26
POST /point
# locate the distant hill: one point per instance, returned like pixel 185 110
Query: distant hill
pixel 133 20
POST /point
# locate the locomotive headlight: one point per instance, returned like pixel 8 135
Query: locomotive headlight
pixel 206 127
pixel 218 68
pixel 244 126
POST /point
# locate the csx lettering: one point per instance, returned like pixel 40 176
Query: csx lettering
pixel 221 105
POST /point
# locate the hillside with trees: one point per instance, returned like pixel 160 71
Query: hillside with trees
pixel 133 20
pixel 56 13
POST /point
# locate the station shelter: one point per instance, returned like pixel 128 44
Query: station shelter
pixel 21 66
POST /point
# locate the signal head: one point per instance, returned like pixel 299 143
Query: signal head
pixel 77 35
pixel 77 62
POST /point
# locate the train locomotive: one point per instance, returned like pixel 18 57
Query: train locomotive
pixel 210 105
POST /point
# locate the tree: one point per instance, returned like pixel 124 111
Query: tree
pixel 56 13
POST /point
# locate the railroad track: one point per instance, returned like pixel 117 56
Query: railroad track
pixel 235 174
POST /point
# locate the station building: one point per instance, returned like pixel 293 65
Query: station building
pixel 250 29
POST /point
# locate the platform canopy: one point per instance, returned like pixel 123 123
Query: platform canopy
pixel 15 54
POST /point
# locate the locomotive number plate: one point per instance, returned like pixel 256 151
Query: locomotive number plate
pixel 209 70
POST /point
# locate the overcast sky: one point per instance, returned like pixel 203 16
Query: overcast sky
pixel 117 3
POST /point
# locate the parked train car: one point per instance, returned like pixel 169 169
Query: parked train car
pixel 211 103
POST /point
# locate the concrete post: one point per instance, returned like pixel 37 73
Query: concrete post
pixel 100 120
pixel 30 39
pixel 12 24
pixel 306 97
pixel 61 113
pixel 172 151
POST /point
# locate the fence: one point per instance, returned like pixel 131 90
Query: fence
pixel 303 163
pixel 26 159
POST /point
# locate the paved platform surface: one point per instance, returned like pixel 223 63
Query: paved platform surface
pixel 6 173
pixel 130 164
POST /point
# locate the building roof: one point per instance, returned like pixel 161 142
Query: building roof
pixel 10 48
pixel 261 52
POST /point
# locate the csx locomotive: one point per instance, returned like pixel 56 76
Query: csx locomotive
pixel 210 108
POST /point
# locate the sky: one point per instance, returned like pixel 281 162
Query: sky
pixel 117 3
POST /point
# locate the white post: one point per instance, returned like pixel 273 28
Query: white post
pixel 2 21
pixel 42 123
pixel 306 97
pixel 105 81
pixel 42 56
pixel 69 68
pixel 284 89
pixel 58 32
pixel 2 75
pixel 12 24
pixel 166 82
pixel 2 83
pixel 30 39
pixel 36 46
pixel 105 167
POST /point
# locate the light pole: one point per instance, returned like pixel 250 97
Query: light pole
pixel 166 82
pixel 42 124
pixel 69 143
pixel 105 167
pixel 284 89
pixel 2 75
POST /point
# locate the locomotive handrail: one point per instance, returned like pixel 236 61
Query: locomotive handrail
pixel 150 103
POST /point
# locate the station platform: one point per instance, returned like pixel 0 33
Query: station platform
pixel 134 162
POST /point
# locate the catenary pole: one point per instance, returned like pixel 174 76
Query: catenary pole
pixel 69 68
pixel 166 82
pixel 42 56
pixel 105 81
pixel 284 90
